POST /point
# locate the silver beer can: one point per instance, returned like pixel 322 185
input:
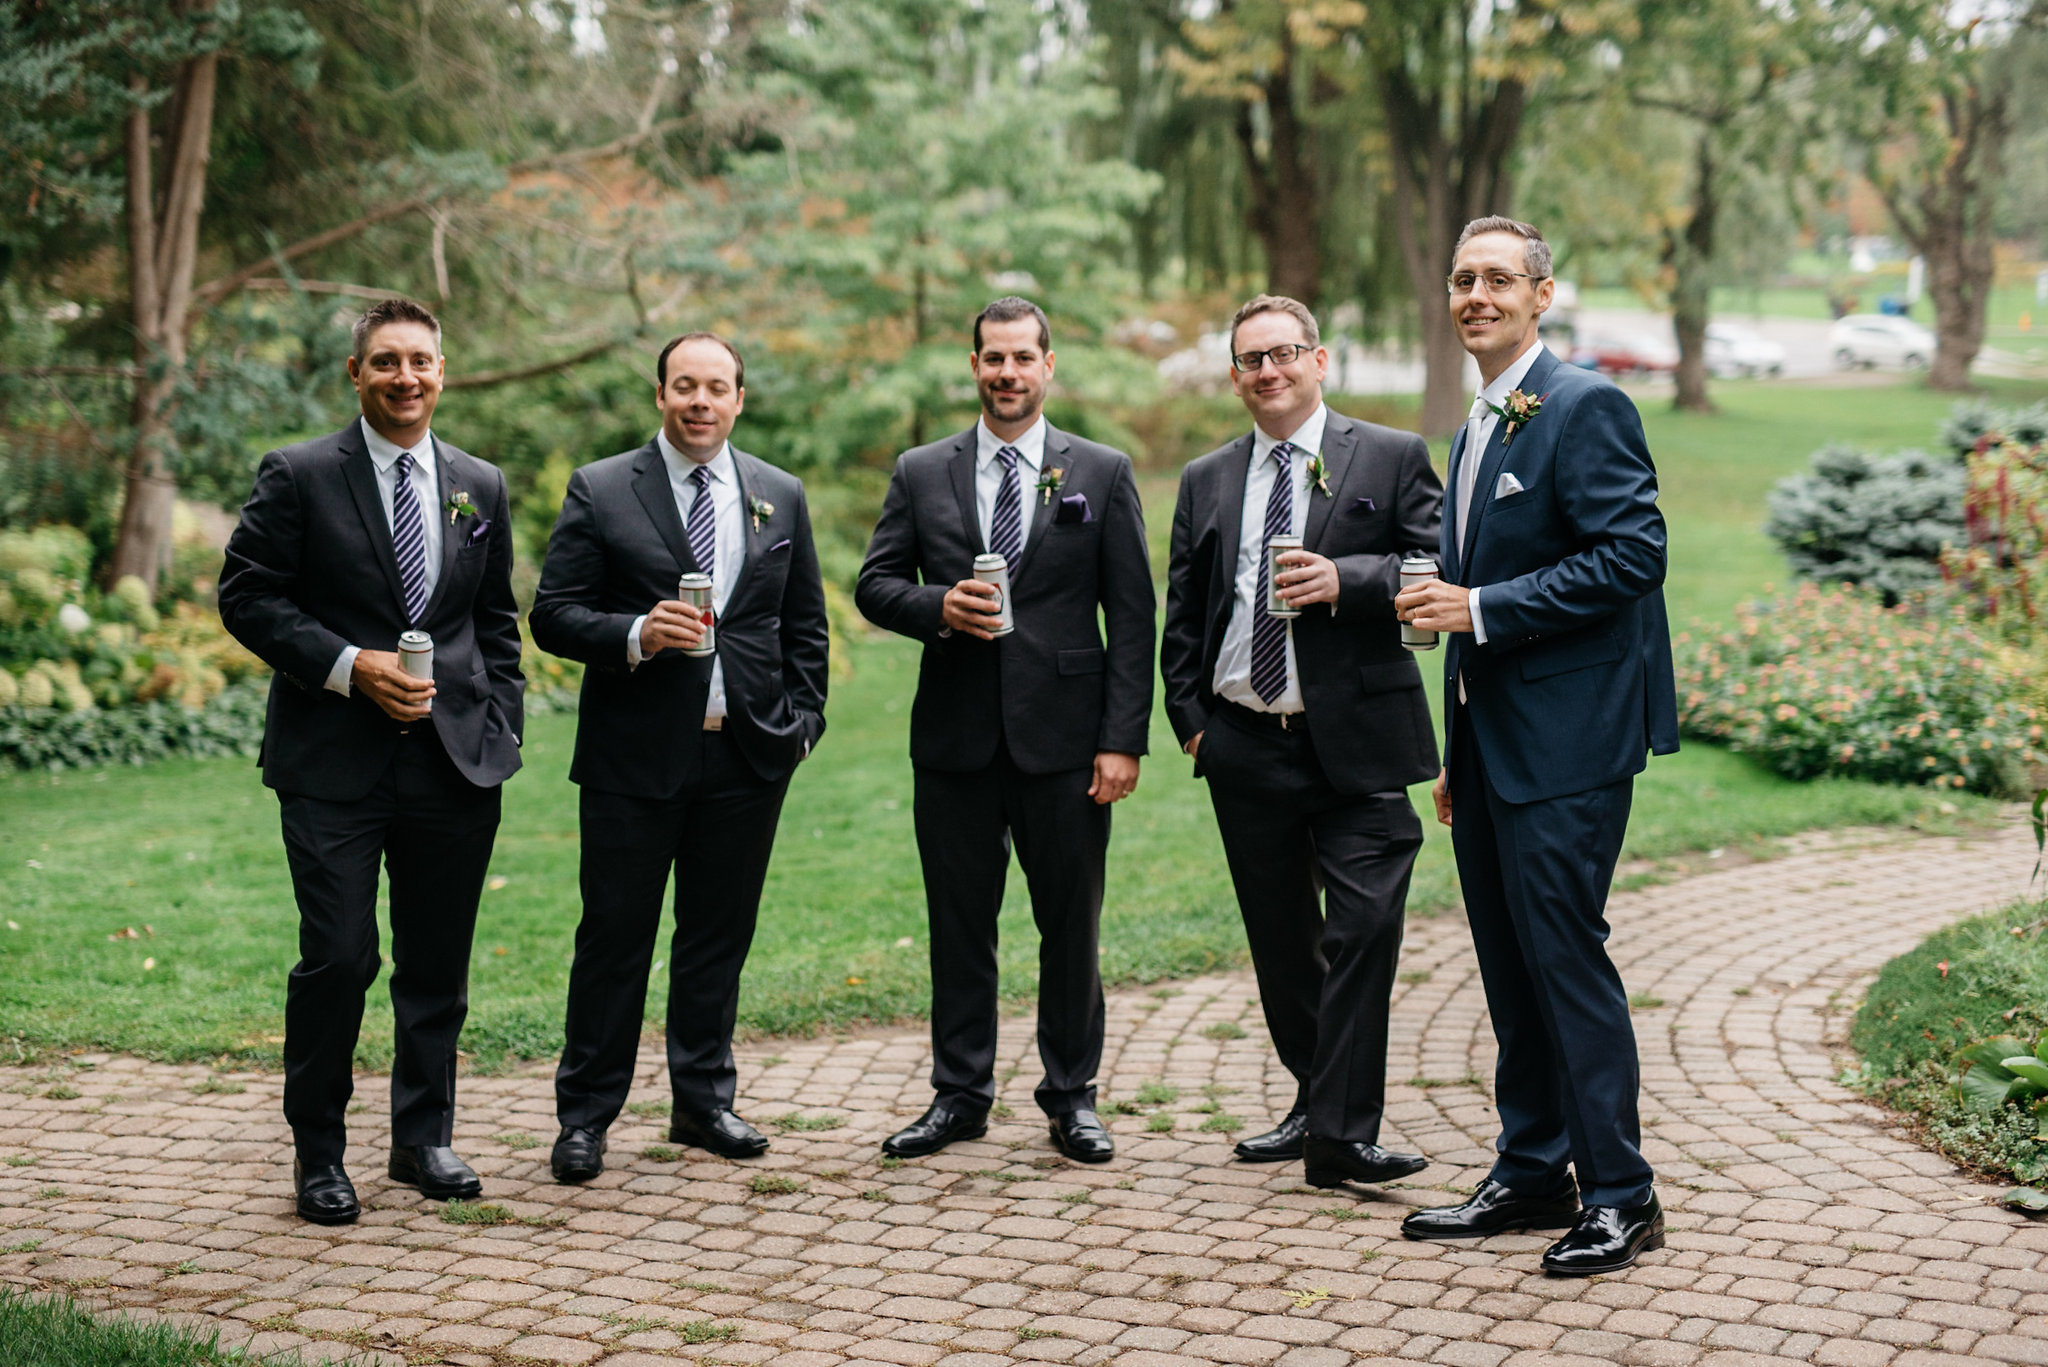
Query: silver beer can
pixel 993 569
pixel 694 590
pixel 1276 546
pixel 416 657
pixel 1417 569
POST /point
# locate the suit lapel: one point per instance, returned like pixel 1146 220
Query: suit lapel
pixel 448 479
pixel 1340 444
pixel 1496 453
pixel 361 476
pixel 1058 454
pixel 1453 553
pixel 658 497
pixel 960 468
pixel 750 540
pixel 1229 524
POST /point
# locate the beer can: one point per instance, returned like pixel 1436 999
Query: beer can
pixel 1417 569
pixel 993 569
pixel 1276 546
pixel 694 590
pixel 416 657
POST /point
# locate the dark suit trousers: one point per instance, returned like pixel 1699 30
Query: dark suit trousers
pixel 716 835
pixel 965 825
pixel 1535 878
pixel 433 830
pixel 1326 977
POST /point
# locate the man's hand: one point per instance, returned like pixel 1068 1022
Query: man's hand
pixel 1307 578
pixel 1442 793
pixel 972 607
pixel 1435 606
pixel 672 625
pixel 1115 776
pixel 1194 745
pixel 378 674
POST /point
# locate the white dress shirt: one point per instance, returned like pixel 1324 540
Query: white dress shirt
pixel 426 491
pixel 1233 677
pixel 988 476
pixel 1479 431
pixel 732 548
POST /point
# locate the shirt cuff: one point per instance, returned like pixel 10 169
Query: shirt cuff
pixel 633 655
pixel 1478 622
pixel 344 666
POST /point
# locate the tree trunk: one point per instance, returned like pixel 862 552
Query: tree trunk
pixel 1690 254
pixel 1286 194
pixel 1959 281
pixel 161 258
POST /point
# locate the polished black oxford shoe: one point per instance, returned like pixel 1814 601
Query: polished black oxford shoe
pixel 1606 1239
pixel 436 1171
pixel 1276 1145
pixel 1333 1162
pixel 1081 1136
pixel 1495 1209
pixel 578 1154
pixel 324 1193
pixel 939 1126
pixel 720 1131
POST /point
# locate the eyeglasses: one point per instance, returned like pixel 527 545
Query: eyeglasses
pixel 1248 361
pixel 1497 282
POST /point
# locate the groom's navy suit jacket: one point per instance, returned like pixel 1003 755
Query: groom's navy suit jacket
pixel 1574 684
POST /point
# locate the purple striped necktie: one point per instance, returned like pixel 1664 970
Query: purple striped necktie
pixel 409 540
pixel 702 527
pixel 1006 523
pixel 1269 633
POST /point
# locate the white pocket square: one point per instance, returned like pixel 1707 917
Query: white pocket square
pixel 1506 484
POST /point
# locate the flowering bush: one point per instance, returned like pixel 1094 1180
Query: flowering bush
pixel 1835 683
pixel 2000 570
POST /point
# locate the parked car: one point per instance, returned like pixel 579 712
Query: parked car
pixel 1734 350
pixel 1875 339
pixel 1625 353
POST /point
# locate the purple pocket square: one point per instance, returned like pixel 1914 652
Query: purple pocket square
pixel 778 546
pixel 1364 505
pixel 1073 510
pixel 477 533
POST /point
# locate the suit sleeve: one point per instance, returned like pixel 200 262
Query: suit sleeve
pixel 496 615
pixel 1129 614
pixel 1366 584
pixel 257 584
pixel 1607 492
pixel 1187 608
pixel 565 617
pixel 889 593
pixel 806 629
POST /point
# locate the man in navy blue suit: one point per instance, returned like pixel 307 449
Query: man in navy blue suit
pixel 1557 681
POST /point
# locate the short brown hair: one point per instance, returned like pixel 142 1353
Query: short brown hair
pixel 1535 251
pixel 1275 303
pixel 387 311
pixel 739 380
pixel 1009 309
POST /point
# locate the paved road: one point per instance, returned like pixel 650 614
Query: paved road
pixel 1806 1226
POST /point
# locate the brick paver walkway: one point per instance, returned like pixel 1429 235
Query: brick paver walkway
pixel 1804 1225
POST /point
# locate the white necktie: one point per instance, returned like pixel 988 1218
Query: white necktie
pixel 1468 467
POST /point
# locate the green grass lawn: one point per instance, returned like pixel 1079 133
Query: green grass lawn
pixel 49 1331
pixel 187 854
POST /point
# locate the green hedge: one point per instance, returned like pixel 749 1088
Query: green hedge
pixel 230 723
pixel 1974 980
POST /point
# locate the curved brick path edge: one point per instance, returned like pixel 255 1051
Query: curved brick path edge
pixel 1805 1226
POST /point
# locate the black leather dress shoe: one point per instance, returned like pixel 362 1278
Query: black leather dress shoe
pixel 1333 1162
pixel 1080 1135
pixel 939 1126
pixel 325 1195
pixel 1606 1239
pixel 720 1131
pixel 578 1154
pixel 436 1171
pixel 1276 1145
pixel 1495 1209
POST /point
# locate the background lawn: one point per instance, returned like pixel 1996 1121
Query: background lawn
pixel 187 853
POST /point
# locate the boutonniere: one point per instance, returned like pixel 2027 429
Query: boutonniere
pixel 458 505
pixel 1319 474
pixel 1517 409
pixel 1050 483
pixel 758 508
